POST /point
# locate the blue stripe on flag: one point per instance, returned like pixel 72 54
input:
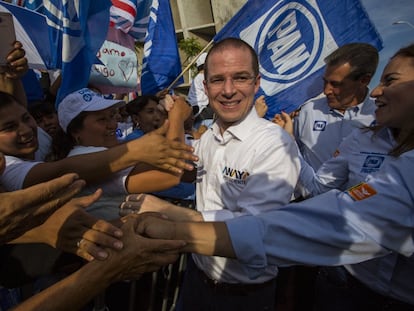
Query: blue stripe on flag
pixel 77 30
pixel 292 38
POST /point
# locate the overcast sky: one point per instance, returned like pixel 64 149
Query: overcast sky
pixel 383 13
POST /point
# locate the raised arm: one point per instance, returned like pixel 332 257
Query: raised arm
pixel 139 255
pixel 10 76
pixel 144 177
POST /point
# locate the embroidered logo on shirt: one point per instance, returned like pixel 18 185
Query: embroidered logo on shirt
pixel 235 176
pixel 372 163
pixel 319 125
pixel 336 153
pixel 361 191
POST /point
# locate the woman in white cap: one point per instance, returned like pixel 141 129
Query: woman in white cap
pixel 89 119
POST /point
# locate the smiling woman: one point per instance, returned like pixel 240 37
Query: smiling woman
pixel 18 129
pixel 90 123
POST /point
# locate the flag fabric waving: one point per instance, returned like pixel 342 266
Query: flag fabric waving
pixel 77 29
pixel 161 63
pixel 292 38
pixel 131 17
pixel 31 30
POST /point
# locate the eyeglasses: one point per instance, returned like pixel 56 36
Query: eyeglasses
pixel 238 81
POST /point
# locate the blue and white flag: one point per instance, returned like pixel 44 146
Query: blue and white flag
pixel 31 30
pixel 77 29
pixel 161 63
pixel 292 38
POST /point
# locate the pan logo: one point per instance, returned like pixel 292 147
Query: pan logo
pixel 372 163
pixel 291 37
pixel 319 126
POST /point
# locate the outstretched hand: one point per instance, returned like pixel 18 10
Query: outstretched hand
pixel 73 230
pixel 166 154
pixel 140 254
pixel 25 209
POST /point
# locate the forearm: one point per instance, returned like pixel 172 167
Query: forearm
pixel 91 167
pixel 144 178
pixel 73 292
pixel 205 238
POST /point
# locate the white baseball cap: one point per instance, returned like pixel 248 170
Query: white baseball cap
pixel 82 100
pixel 201 59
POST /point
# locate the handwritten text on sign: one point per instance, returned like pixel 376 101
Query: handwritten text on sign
pixel 119 66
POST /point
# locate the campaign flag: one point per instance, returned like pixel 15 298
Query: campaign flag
pixel 32 31
pixel 131 16
pixel 161 63
pixel 292 38
pixel 77 29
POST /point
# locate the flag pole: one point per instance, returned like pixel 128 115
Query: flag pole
pixel 190 64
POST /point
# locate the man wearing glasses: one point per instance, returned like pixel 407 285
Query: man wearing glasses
pixel 247 165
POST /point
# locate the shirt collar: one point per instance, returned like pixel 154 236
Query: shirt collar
pixel 240 130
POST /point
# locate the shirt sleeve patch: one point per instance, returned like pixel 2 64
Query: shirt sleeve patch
pixel 361 191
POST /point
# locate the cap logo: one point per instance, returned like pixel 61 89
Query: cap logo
pixel 87 95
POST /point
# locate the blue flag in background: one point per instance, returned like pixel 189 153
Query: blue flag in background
pixel 292 38
pixel 32 31
pixel 77 29
pixel 161 63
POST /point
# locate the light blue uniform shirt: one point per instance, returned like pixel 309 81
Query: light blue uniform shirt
pixel 336 229
pixel 319 129
pixel 361 153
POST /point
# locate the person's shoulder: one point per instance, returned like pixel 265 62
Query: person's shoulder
pixel 269 131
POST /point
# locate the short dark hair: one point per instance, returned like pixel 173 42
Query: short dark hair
pixel 362 57
pixel 235 43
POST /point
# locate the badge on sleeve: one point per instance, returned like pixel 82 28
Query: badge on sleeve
pixel 361 191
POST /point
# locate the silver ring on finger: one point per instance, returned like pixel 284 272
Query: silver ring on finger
pixel 78 244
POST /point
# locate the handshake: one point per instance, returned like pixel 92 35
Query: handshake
pixel 154 217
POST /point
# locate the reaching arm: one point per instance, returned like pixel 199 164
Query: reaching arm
pixel 205 238
pixel 140 255
pixel 10 81
pixel 73 230
pixel 142 203
pixel 152 148
pixel 25 209
pixel 144 178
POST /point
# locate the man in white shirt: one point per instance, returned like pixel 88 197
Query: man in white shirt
pixel 246 167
